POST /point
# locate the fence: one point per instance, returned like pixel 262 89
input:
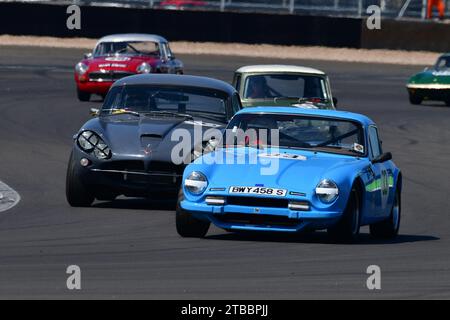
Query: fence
pixel 350 8
pixel 18 18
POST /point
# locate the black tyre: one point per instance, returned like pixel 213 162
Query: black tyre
pixel 447 102
pixel 347 229
pixel 415 99
pixel 83 96
pixel 187 225
pixel 389 228
pixel 77 194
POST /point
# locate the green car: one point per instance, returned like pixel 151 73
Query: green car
pixel 280 85
pixel 431 84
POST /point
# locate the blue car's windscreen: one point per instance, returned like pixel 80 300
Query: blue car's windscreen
pixel 297 132
pixel 182 100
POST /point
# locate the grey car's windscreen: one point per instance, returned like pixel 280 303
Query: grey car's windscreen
pixel 153 98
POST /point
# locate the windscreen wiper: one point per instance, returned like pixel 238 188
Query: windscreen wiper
pixel 209 116
pixel 170 113
pixel 118 111
pixel 313 99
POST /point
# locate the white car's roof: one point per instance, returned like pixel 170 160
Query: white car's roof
pixel 132 37
pixel 279 68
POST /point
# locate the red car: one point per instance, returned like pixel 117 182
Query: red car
pixel 181 4
pixel 118 56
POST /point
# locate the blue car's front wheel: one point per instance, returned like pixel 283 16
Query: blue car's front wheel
pixel 347 229
pixel 187 225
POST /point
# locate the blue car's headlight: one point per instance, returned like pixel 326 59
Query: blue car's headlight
pixel 196 183
pixel 89 142
pixel 327 191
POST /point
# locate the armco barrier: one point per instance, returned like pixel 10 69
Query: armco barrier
pixel 284 29
pixel 408 35
pixel 50 20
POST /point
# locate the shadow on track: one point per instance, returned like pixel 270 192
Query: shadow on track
pixel 316 238
pixel 137 204
pixel 432 105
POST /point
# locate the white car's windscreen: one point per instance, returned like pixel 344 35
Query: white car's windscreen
pixel 284 86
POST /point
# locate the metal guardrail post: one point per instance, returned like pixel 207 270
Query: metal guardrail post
pixel 222 5
pixel 424 9
pixel 292 7
pixel 360 8
pixel 403 9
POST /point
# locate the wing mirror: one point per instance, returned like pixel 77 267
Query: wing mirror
pixel 426 69
pixel 335 102
pixel 94 112
pixel 88 55
pixel 382 158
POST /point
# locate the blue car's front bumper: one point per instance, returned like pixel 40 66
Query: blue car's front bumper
pixel 234 217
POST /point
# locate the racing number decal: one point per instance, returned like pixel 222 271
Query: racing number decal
pixel 384 188
pixel 384 183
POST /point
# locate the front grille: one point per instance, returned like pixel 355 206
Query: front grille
pixel 135 166
pixel 108 76
pixel 166 167
pixel 258 202
pixel 139 166
pixel 258 220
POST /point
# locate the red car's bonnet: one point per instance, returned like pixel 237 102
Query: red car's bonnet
pixel 120 63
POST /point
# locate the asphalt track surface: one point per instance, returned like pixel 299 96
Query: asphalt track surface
pixel 130 249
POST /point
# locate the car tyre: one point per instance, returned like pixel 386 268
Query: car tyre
pixel 447 102
pixel 347 229
pixel 76 192
pixel 415 99
pixel 83 96
pixel 389 228
pixel 187 225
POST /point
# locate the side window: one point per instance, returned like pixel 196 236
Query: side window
pixel 374 142
pixel 237 81
pixel 163 49
pixel 169 51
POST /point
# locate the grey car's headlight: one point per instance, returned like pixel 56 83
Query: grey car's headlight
pixel 81 68
pixel 90 142
pixel 196 183
pixel 327 191
pixel 144 67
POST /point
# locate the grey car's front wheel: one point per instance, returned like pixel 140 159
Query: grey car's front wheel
pixel 76 192
pixel 187 225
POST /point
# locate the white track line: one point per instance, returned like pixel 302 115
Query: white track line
pixel 8 197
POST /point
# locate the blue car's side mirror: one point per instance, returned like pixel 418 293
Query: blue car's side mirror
pixel 382 158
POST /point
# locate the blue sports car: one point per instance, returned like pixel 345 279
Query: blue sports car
pixel 290 170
